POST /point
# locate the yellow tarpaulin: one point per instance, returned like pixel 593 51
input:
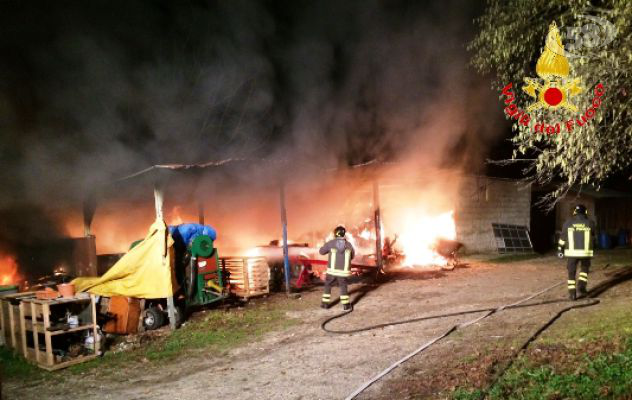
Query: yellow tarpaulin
pixel 144 272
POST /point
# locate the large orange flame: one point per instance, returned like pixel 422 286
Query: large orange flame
pixel 419 234
pixel 9 272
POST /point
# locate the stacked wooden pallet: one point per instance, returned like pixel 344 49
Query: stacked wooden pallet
pixel 248 276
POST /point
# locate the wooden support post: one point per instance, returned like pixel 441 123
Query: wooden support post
pixel 47 336
pixel 95 332
pixel 23 330
pixel 12 326
pixel 378 225
pixel 286 255
pixel 35 332
pixel 159 200
pixel 171 311
pixel 141 325
pixel 3 328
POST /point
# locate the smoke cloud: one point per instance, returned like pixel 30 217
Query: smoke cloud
pixel 94 92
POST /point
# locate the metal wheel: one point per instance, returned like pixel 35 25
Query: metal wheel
pixel 153 318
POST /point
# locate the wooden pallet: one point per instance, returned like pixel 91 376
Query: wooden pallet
pixel 35 320
pixel 10 328
pixel 248 276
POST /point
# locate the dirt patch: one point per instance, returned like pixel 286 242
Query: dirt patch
pixel 562 356
pixel 475 358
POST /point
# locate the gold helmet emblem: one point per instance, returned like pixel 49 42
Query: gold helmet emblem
pixel 553 68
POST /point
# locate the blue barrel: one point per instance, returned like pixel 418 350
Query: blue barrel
pixel 623 237
pixel 604 240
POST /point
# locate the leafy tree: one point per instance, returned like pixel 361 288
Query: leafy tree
pixel 510 41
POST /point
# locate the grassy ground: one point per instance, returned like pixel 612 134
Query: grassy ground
pixel 585 355
pixel 598 377
pixel 211 331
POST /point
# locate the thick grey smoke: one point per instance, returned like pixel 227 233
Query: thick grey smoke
pixel 94 92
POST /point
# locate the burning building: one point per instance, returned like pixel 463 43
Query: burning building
pixel 415 212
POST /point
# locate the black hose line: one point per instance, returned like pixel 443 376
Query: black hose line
pixel 487 313
pixel 323 326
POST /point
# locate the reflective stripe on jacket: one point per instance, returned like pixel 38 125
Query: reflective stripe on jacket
pixel 578 237
pixel 341 253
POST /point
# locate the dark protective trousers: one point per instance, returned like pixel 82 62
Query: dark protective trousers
pixel 583 275
pixel 342 284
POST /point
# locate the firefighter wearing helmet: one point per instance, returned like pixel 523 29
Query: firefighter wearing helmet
pixel 576 244
pixel 341 253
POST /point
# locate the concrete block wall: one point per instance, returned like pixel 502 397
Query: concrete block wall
pixel 482 201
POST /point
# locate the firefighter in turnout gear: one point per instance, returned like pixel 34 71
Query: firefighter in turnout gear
pixel 340 253
pixel 576 242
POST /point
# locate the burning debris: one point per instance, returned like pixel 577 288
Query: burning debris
pixel 421 233
pixel 415 243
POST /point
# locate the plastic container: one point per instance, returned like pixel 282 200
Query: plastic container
pixel 67 290
pixel 89 341
pixel 73 321
pixel 623 238
pixel 604 240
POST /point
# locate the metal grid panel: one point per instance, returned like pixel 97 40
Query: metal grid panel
pixel 512 238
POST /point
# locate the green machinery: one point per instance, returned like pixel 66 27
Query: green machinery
pixel 205 280
pixel 201 277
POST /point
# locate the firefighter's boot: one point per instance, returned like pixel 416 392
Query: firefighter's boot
pixel 345 301
pixel 582 283
pixel 326 300
pixel 571 290
pixel 581 289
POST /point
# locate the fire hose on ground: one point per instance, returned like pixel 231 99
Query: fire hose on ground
pixel 488 312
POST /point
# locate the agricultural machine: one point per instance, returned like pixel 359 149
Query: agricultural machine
pixel 201 278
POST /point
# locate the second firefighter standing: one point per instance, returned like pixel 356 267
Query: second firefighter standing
pixel 577 241
pixel 341 253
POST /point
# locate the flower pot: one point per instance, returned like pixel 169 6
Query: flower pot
pixel 47 294
pixel 67 290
